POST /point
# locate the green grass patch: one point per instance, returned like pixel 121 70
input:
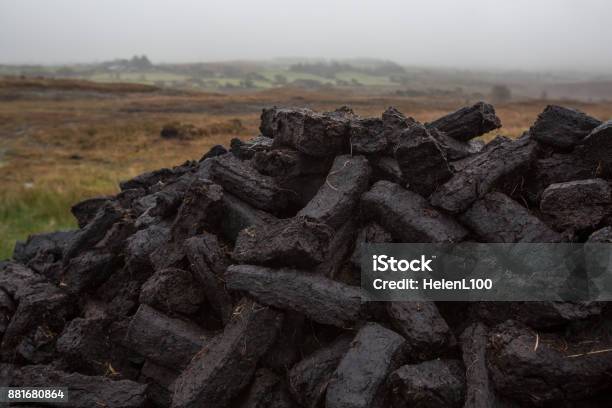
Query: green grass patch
pixel 33 211
pixel 38 209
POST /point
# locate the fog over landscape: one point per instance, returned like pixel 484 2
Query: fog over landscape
pixel 523 34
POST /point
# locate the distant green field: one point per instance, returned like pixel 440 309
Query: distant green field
pixel 292 76
pixel 364 79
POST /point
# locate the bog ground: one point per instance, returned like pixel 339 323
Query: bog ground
pixel 63 141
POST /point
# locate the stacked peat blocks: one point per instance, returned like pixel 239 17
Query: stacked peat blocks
pixel 234 281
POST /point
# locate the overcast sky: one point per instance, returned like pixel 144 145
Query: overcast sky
pixel 524 34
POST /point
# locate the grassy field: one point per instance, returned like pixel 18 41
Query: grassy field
pixel 61 143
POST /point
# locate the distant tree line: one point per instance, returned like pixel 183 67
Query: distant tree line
pixel 140 62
